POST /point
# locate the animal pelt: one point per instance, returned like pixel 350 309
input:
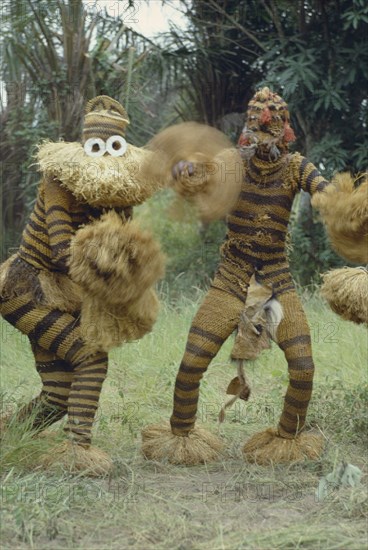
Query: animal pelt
pixel 104 181
pixel 252 336
pixel 257 326
pixel 346 291
pixel 215 185
pixel 344 210
pixel 115 261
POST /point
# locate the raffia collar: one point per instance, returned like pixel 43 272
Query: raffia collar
pixel 104 181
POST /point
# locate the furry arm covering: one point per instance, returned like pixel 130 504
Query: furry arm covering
pixel 344 209
pixel 116 264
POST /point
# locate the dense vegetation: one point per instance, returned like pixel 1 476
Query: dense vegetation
pixel 57 54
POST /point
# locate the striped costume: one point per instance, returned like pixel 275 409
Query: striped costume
pixel 87 189
pixel 71 376
pixel 255 244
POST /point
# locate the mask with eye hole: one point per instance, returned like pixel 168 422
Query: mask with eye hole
pixel 103 170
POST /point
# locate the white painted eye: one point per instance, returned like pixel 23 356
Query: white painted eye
pixel 116 146
pixel 95 147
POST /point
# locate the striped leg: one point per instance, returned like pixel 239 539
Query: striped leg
pixel 59 333
pixel 216 319
pixel 294 339
pixel 51 405
pixel 286 444
pixel 84 396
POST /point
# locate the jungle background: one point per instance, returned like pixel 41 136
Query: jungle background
pixel 56 55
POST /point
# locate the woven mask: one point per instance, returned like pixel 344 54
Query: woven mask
pixel 267 122
pixel 104 127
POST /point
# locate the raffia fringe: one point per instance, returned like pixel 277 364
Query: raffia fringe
pixel 346 291
pixel 200 446
pixel 268 447
pixel 344 209
pixel 75 459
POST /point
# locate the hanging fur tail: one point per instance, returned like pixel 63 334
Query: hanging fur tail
pixel 258 323
pixel 274 316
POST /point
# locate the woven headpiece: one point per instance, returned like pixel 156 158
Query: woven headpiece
pixel 267 119
pixel 104 117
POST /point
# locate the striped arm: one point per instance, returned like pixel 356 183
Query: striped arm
pixel 308 177
pixel 56 216
pixel 214 322
pixel 294 339
pixel 58 203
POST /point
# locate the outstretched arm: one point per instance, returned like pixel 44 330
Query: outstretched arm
pixel 307 176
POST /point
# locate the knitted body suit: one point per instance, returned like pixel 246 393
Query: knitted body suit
pixel 71 375
pixel 38 295
pixel 255 244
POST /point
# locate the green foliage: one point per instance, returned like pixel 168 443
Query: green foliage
pixel 356 15
pixel 192 249
pixel 319 62
pixel 310 253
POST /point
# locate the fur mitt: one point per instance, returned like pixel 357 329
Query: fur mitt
pixel 115 261
pixel 116 264
pixel 214 185
pixel 344 209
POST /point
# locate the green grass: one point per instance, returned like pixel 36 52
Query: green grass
pixel 226 505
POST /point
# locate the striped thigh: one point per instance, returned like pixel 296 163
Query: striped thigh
pixel 294 339
pixel 51 329
pixel 59 333
pixel 216 319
